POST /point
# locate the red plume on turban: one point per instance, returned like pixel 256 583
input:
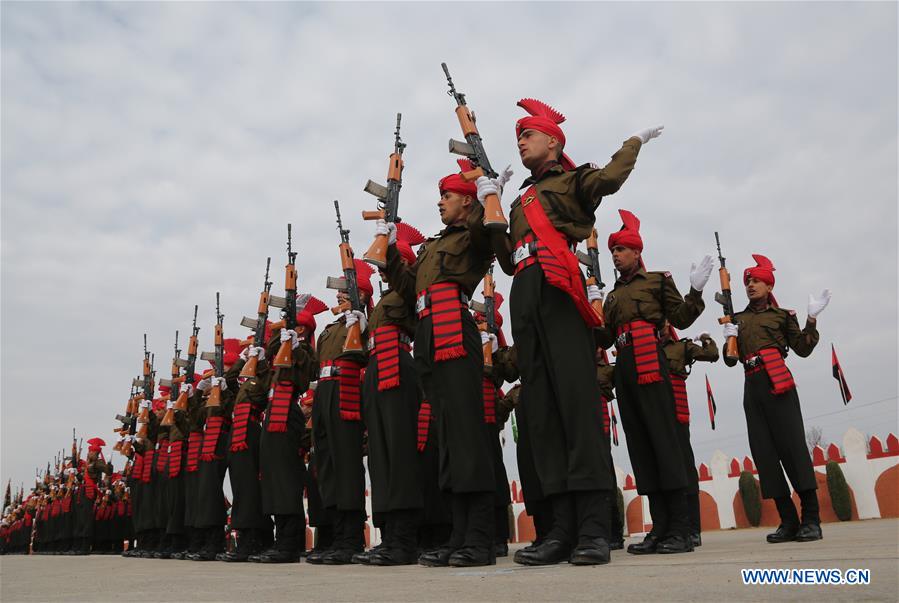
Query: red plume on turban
pixel 763 271
pixel 455 184
pixel 407 236
pixel 543 118
pixel 231 351
pixel 629 234
pixel 95 444
pixel 364 272
pixel 306 316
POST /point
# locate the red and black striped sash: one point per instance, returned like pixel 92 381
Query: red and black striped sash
pixel 385 344
pixel 606 420
pixel 162 455
pixel 646 352
pixel 214 426
pixel 443 303
pixel 489 400
pixel 349 387
pixel 137 469
pixel 120 508
pixel 279 407
pixel 175 458
pixel 559 264
pixel 424 424
pixel 681 405
pixel 194 441
pixel 780 376
pixel 148 466
pixel 90 487
pixel 243 414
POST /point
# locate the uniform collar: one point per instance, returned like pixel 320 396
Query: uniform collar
pixel 554 167
pixel 750 309
pixel 641 272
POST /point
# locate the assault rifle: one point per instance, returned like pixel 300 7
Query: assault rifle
pixel 473 148
pixel 169 418
pixel 726 300
pixel 258 325
pixel 594 277
pixel 353 342
pixel 189 365
pixel 488 309
pixel 218 357
pixel 388 200
pixel 284 357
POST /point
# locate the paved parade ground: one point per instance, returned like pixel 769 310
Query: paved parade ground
pixel 711 573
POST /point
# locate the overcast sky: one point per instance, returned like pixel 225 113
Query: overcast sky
pixel 152 154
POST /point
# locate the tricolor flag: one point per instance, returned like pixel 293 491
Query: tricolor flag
pixel 838 375
pixel 712 407
pixel 614 423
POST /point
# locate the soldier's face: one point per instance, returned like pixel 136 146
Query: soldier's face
pixel 453 207
pixel 625 259
pixel 757 290
pixel 536 148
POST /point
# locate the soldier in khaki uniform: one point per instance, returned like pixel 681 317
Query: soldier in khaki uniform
pixel 392 396
pixel 337 427
pixel 681 354
pixel 765 333
pixel 605 378
pixel 635 312
pixel 551 322
pixel 450 359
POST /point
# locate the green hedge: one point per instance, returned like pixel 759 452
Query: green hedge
pixel 752 498
pixel 840 499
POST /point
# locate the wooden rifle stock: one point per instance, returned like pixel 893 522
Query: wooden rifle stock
pixel 353 341
pixel 488 292
pixel 731 350
pixel 596 304
pixel 284 357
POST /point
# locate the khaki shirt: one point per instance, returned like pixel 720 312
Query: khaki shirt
pixel 773 328
pixel 649 296
pixel 570 198
pixel 605 377
pixel 393 309
pixel 459 254
pixel 330 344
pixel 682 354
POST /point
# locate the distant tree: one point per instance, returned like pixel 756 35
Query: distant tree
pixel 840 499
pixel 752 498
pixel 814 435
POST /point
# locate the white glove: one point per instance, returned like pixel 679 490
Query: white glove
pixel 220 382
pixel 699 275
pixel 290 335
pixel 243 353
pixel 593 293
pixel 189 388
pixel 169 404
pixel 730 330
pixel 486 186
pixel 388 229
pixel 648 134
pixel 485 337
pixel 70 471
pixel 354 316
pixel 204 384
pixel 817 305
pixel 145 404
pixel 504 177
pixel 256 352
pixel 699 336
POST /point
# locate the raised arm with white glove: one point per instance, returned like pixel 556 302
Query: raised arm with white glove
pixel 816 305
pixel 494 186
pixel 220 382
pixel 354 316
pixel 648 134
pixel 485 337
pixel 387 229
pixel 730 330
pixel 204 384
pixel 699 275
pixel 593 293
pixel 256 352
pixel 290 335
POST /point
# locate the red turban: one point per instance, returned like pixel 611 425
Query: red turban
pixel 544 119
pixel 231 351
pixel 364 272
pixel 95 444
pixel 306 316
pixel 164 390
pixel 407 236
pixel 629 235
pixel 455 184
pixel 158 404
pixel 763 271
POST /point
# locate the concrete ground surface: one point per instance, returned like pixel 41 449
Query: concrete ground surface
pixel 712 573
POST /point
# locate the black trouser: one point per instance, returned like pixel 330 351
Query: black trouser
pixel 243 473
pixel 616 522
pixel 437 518
pixel 319 517
pixel 455 390
pixel 776 438
pixel 391 417
pixel 290 532
pixel 281 466
pixel 535 503
pixel 692 490
pixel 210 503
pixel 501 498
pixel 338 451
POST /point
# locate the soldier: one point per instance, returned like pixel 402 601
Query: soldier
pixel 605 377
pixel 765 332
pixel 337 426
pixel 635 312
pixel 392 398
pixel 281 466
pixel 193 423
pixel 681 354
pixel 551 320
pixel 210 514
pixel 449 359
pixel 253 527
